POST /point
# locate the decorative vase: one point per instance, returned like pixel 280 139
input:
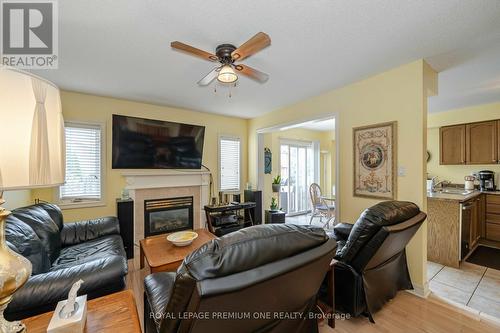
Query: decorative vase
pixel 14 272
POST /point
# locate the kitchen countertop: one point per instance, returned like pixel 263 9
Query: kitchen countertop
pixel 458 197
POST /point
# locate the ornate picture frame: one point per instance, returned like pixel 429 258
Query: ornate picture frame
pixel 375 160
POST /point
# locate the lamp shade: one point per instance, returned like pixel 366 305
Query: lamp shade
pixel 32 148
pixel 227 75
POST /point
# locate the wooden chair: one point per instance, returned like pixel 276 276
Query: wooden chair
pixel 320 208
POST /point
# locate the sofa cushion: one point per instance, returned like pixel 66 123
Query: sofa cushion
pixel 42 292
pixel 43 225
pixel 242 250
pixel 25 242
pixel 103 247
pixel 82 231
pixel 371 221
pixel 54 212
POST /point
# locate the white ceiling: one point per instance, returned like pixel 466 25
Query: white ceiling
pixel 122 48
pixel 325 125
pixel 469 76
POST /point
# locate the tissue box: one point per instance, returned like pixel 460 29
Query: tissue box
pixel 75 324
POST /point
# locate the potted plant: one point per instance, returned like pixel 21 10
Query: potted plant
pixel 276 184
pixel 274 205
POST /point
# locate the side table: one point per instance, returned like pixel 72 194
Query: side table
pixel 275 216
pixel 108 314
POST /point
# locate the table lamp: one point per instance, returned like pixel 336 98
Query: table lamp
pixel 32 155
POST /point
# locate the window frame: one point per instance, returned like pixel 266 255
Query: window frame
pixel 229 137
pixel 86 203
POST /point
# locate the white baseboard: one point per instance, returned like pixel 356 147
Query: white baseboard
pixel 420 290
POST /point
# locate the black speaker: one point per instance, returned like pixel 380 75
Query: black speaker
pixel 254 196
pixel 125 214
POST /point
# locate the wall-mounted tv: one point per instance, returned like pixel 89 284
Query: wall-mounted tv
pixel 154 144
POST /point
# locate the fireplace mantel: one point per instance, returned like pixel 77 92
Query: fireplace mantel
pixel 162 184
pixel 144 179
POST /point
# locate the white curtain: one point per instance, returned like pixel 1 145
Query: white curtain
pixel 39 150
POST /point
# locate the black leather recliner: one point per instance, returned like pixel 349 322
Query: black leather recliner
pixel 371 265
pixel 273 269
pixel 61 254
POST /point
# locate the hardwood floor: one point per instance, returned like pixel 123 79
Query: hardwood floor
pixel 134 282
pixel 409 313
pixel 406 313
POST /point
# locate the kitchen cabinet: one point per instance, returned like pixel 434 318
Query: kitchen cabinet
pixel 456 225
pixel 492 225
pixel 443 232
pixel 452 144
pixel 498 141
pixel 472 143
pixel 481 144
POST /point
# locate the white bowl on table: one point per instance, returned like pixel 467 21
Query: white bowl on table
pixel 182 238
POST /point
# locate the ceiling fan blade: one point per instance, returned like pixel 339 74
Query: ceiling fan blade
pixel 207 79
pixel 252 73
pixel 251 46
pixel 194 51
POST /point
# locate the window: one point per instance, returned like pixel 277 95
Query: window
pixel 229 163
pixel 84 165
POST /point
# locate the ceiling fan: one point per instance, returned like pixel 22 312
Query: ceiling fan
pixel 227 54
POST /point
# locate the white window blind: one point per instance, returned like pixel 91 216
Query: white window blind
pixel 229 164
pixel 83 163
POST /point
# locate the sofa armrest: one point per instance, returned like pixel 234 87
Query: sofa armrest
pixel 82 231
pixel 49 288
pixel 342 230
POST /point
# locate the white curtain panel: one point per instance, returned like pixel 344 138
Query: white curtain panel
pixel 39 149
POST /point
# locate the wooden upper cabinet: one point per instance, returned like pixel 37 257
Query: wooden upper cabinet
pixel 498 141
pixel 481 143
pixel 452 144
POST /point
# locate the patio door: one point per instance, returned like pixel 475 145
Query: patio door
pixel 299 163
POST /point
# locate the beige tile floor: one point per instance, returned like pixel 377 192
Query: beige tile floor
pixel 473 286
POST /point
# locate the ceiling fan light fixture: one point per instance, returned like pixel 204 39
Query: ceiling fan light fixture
pixel 227 75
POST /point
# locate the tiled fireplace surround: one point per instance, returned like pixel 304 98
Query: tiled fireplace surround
pixel 161 184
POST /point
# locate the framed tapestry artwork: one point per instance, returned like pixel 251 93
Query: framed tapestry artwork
pixel 375 149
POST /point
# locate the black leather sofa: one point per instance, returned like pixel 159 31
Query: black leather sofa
pixel 371 265
pixel 61 254
pixel 266 269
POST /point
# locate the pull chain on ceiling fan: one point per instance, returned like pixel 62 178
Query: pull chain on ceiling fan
pixel 227 55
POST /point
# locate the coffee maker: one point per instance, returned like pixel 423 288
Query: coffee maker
pixel 486 180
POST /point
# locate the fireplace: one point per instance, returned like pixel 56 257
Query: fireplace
pixel 167 215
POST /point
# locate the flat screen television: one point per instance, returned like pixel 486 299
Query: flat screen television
pixel 154 144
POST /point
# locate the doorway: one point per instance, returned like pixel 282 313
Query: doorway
pixel 298 160
pixel 300 153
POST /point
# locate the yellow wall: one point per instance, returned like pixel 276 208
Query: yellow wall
pixel 456 173
pixel 272 141
pixel 15 199
pixel 89 108
pixel 398 95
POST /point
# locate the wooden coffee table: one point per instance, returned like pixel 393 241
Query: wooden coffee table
pixel 162 256
pixel 108 314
